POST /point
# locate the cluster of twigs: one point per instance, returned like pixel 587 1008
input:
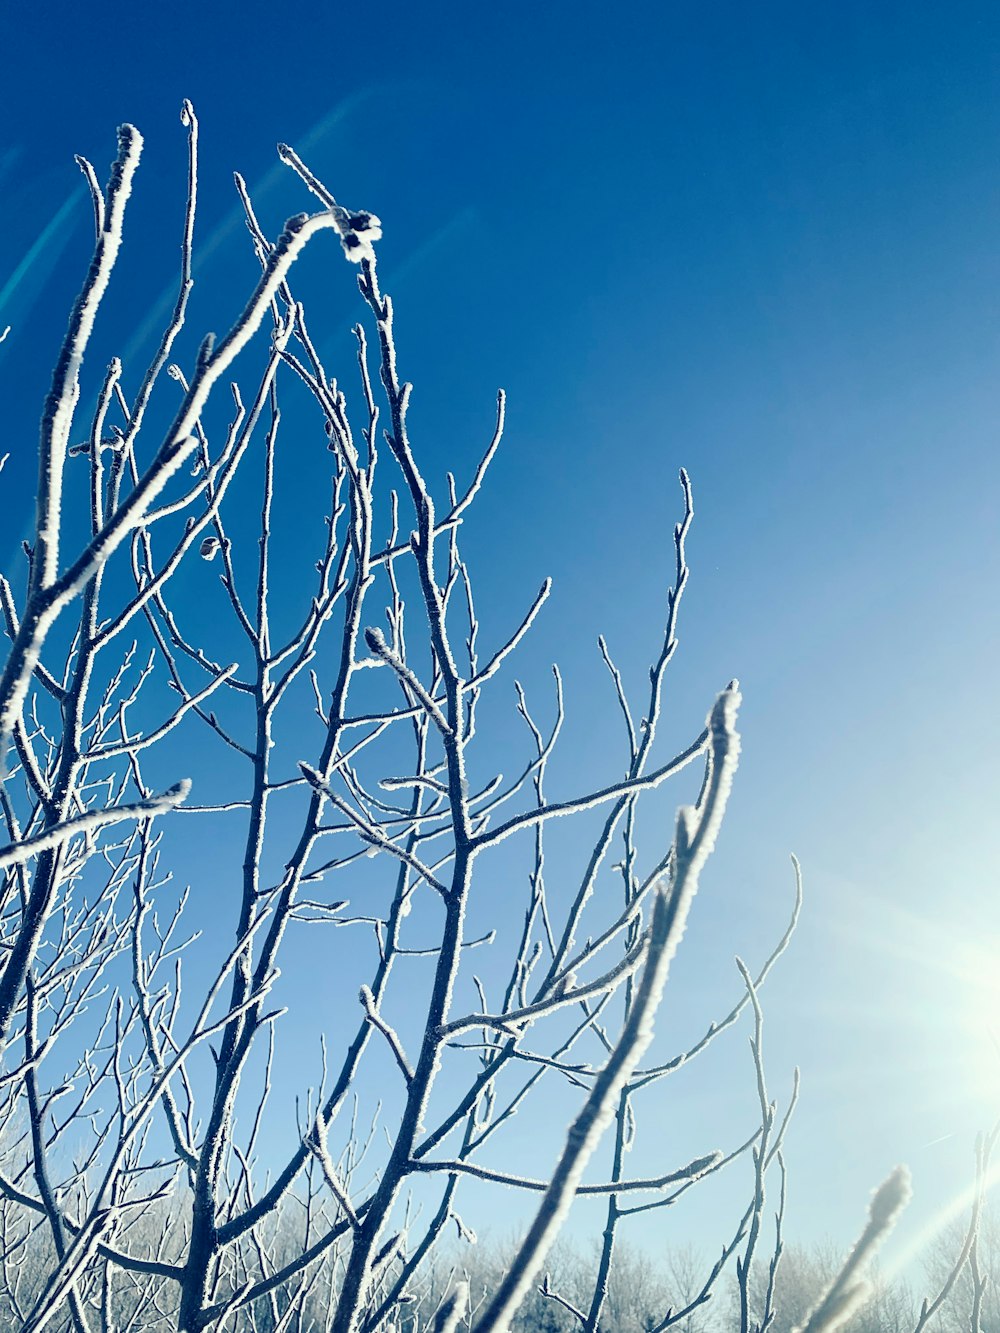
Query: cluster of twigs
pixel 132 1193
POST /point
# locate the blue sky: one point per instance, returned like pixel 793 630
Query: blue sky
pixel 757 242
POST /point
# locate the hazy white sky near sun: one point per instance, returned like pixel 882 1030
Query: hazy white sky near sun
pixel 757 242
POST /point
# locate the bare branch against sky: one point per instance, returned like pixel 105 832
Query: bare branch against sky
pixel 336 923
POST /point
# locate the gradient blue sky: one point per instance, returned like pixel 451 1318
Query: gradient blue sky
pixel 760 242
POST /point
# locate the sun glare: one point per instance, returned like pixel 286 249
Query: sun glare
pixel 980 977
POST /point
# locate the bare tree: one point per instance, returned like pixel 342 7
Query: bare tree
pixel 137 1188
pixel 961 1264
pixel 639 1290
pixel 807 1272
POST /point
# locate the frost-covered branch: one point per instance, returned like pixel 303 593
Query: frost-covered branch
pixel 92 821
pixel 142 1055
